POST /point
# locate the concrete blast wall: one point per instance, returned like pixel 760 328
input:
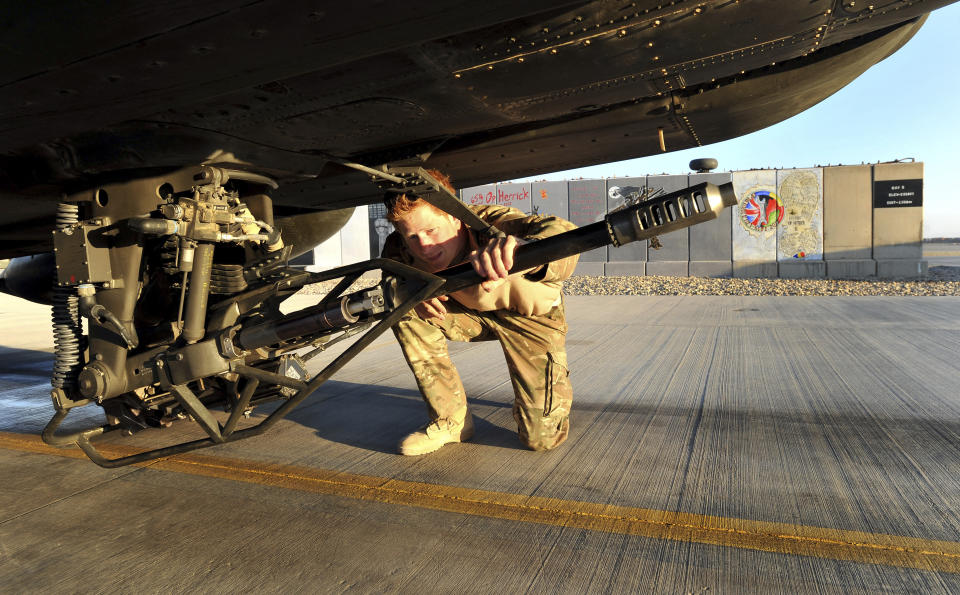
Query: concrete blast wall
pixel 832 222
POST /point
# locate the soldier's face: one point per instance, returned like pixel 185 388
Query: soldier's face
pixel 433 236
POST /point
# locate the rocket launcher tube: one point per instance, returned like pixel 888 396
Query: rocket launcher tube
pixel 652 217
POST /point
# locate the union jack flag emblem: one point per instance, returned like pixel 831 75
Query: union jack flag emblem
pixel 762 209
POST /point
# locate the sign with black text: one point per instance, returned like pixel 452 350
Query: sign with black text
pixel 897 193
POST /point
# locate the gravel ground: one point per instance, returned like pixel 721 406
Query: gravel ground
pixel 941 280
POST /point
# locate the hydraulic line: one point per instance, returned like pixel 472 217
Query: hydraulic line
pixel 194 324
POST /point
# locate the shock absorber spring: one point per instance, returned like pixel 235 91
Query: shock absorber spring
pixel 67 329
pixel 67 215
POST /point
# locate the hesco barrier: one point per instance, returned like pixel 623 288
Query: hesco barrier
pixel 825 222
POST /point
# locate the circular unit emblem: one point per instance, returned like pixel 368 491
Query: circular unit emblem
pixel 761 210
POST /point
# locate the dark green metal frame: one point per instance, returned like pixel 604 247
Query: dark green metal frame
pixel 227 432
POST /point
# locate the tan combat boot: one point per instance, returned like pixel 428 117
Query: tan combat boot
pixel 435 434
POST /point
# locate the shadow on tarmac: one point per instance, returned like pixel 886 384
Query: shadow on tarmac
pixel 25 361
pixel 377 418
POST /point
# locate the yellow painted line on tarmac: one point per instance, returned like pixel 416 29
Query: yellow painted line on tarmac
pixel 783 538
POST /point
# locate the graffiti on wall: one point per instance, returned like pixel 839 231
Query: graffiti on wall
pixel 622 192
pixel 761 210
pixel 379 227
pixel 800 234
pixel 509 195
pixel 549 198
pixel 479 195
pixel 756 216
pixel 588 203
pixel 514 195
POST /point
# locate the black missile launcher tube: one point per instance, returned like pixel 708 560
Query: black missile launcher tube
pixel 652 217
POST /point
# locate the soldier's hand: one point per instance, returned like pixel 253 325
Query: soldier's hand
pixel 494 260
pixel 432 308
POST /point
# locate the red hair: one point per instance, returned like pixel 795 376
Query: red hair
pixel 401 205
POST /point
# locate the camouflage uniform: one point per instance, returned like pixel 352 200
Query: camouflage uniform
pixel 532 344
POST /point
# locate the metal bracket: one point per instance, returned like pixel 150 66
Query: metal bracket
pixel 418 181
pixel 198 410
pixel 227 432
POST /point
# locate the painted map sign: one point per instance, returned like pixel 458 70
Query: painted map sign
pixel 897 193
pixel 756 215
pixel 800 229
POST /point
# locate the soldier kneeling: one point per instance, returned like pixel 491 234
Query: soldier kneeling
pixel 523 311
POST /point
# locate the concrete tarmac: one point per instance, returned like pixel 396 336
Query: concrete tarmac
pixel 941 254
pixel 718 444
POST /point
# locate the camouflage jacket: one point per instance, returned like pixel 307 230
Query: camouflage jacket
pixel 530 293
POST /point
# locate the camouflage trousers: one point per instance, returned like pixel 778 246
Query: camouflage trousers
pixel 535 354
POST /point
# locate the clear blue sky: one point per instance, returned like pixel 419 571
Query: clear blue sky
pixel 906 106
